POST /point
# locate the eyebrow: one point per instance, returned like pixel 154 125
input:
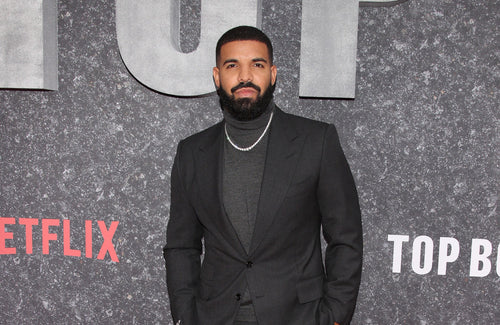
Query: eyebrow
pixel 253 60
pixel 229 61
pixel 259 60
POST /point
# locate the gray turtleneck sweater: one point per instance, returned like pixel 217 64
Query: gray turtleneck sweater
pixel 242 179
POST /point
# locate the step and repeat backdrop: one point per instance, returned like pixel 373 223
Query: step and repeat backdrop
pixel 96 94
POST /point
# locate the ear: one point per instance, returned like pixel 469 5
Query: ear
pixel 215 73
pixel 274 72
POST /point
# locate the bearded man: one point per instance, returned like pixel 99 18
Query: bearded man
pixel 253 192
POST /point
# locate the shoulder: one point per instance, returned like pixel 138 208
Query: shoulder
pixel 300 120
pixel 303 125
pixel 318 135
pixel 203 137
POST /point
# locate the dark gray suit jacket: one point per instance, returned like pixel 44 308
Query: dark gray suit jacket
pixel 307 185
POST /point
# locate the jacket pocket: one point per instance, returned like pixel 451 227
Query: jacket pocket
pixel 310 289
pixel 300 188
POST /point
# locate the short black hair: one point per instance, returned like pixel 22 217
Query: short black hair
pixel 244 33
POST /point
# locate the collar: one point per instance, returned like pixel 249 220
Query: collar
pixel 255 124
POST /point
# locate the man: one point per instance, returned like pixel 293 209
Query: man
pixel 256 188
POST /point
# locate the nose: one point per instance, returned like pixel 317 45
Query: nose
pixel 245 74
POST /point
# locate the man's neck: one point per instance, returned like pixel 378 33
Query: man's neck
pixel 254 124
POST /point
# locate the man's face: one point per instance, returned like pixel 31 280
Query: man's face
pixel 245 78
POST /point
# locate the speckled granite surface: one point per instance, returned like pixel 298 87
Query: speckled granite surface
pixel 422 138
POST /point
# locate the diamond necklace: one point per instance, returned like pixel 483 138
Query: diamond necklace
pixel 256 142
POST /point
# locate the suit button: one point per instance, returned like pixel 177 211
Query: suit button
pixel 238 297
pixel 249 264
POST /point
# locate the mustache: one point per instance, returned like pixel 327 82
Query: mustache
pixel 247 84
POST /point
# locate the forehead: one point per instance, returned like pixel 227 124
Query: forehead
pixel 244 49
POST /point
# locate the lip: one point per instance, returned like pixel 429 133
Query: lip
pixel 245 92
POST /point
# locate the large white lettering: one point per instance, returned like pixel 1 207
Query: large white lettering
pixel 397 254
pixel 498 260
pixel 28 44
pixel 445 244
pixel 328 44
pixel 480 264
pixel 148 38
pixel 448 253
pixel 428 245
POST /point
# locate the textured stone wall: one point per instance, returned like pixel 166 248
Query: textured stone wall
pixel 422 138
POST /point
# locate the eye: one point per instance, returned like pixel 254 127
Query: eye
pixel 230 65
pixel 258 65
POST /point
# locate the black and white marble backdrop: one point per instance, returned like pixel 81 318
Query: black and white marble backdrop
pixel 421 136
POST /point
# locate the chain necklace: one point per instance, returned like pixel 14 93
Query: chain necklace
pixel 256 142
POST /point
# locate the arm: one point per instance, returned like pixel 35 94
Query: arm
pixel 341 221
pixel 182 251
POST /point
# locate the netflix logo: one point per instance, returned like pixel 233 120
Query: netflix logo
pixel 47 227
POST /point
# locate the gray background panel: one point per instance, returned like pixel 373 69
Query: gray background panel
pixel 422 138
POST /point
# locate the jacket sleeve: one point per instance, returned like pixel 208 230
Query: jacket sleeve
pixel 183 249
pixel 341 222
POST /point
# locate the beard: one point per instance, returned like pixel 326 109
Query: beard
pixel 245 109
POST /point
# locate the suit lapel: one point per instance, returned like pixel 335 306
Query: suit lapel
pixel 282 153
pixel 210 183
